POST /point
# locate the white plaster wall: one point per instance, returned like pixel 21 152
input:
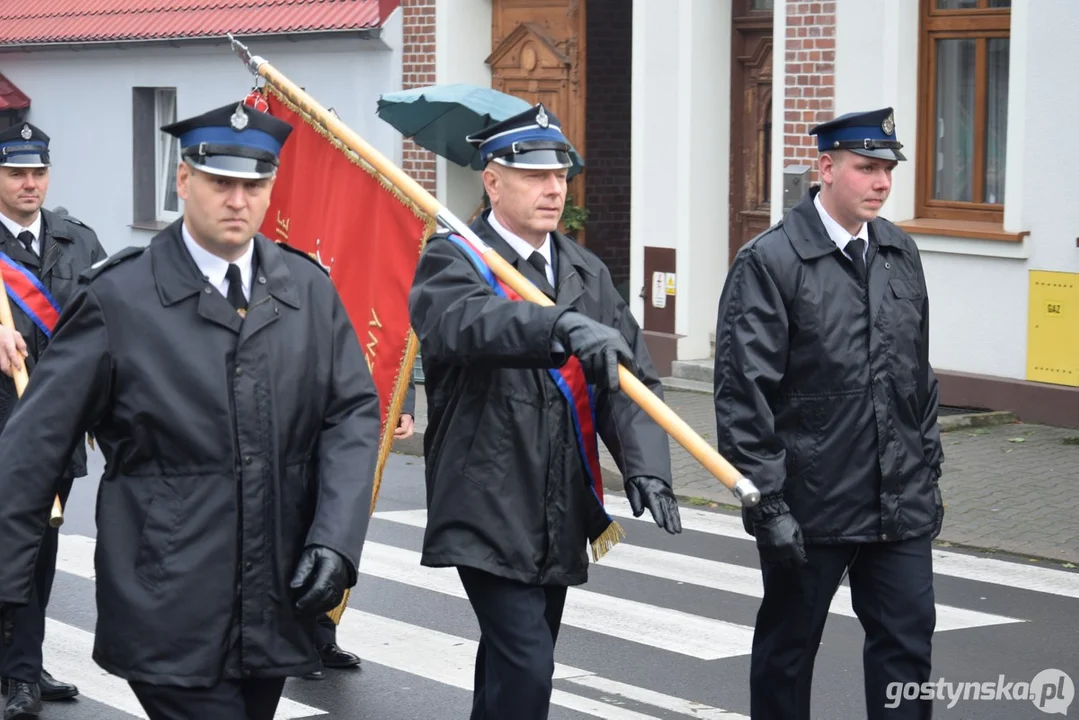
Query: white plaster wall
pixel 462 45
pixel 779 102
pixel 979 289
pixel 680 147
pixel 83 100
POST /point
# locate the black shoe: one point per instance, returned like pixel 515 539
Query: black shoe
pixel 334 657
pixel 53 689
pixel 315 675
pixel 23 700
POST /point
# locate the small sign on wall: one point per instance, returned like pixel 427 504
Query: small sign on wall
pixel 659 289
pixel 670 284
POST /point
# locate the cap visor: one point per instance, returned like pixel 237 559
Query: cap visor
pixel 537 160
pixel 881 154
pixel 23 160
pixel 234 167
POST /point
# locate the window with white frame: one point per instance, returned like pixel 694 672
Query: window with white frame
pixel 167 204
pixel 155 156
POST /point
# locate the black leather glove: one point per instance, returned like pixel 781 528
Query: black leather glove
pixel 779 536
pixel 320 581
pixel 7 623
pixel 599 348
pixel 643 491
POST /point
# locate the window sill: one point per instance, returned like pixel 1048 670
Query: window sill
pixel 154 225
pixel 961 229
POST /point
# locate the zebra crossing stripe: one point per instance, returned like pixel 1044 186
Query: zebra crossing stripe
pixel 726 577
pixel 953 564
pixel 651 625
pixel 68 651
pixel 449 659
pixel 420 651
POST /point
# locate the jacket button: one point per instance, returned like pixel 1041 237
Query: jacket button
pixel 248 565
pixel 208 290
pixel 239 371
pixel 248 460
pixel 884 536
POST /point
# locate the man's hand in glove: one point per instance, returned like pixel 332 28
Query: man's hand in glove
pixel 7 623
pixel 779 536
pixel 320 581
pixel 643 491
pixel 599 348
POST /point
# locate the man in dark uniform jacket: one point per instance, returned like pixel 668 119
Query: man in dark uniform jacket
pixel 49 250
pixel 510 501
pixel 825 398
pixel 229 394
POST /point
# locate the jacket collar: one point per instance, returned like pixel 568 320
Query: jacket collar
pixel 178 278
pixel 571 260
pixel 810 239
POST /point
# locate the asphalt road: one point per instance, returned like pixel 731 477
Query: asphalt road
pixel 662 630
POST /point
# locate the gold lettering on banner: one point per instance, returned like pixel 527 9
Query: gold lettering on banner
pixel 371 349
pixel 281 228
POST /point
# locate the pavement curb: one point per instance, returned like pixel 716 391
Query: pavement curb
pixel 976 420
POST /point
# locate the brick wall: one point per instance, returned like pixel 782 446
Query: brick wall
pixel 810 85
pixel 607 130
pixel 418 70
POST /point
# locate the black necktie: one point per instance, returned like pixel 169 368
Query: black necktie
pixel 27 239
pixel 236 288
pixel 539 262
pixel 856 249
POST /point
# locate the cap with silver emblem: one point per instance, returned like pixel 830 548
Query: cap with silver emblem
pixel 23 145
pixel 234 141
pixel 869 133
pixel 532 140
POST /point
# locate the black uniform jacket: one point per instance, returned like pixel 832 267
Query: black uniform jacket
pixel 506 488
pixel 231 444
pixel 823 388
pixel 70 247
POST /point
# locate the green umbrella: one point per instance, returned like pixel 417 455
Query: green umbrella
pixel 440 117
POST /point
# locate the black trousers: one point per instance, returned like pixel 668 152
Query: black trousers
pixel 325 631
pixel 21 660
pixel 892 594
pixel 228 700
pixel 515 660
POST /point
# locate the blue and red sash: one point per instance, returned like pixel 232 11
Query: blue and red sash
pixel 30 295
pixel 603 532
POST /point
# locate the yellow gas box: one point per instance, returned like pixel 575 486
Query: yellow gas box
pixel 1053 328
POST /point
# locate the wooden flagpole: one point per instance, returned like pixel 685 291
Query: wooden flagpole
pixel 743 489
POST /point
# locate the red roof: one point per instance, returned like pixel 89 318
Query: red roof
pixel 78 21
pixel 11 97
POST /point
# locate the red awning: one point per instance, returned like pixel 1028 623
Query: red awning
pixel 76 21
pixel 11 97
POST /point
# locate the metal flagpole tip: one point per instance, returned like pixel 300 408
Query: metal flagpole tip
pixel 251 61
pixel 746 492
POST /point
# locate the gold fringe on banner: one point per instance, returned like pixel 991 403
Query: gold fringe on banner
pixel 606 542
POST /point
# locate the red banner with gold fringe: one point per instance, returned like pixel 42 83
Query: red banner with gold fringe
pixel 329 203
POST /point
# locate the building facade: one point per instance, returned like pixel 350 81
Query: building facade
pixel 693 118
pixel 103 81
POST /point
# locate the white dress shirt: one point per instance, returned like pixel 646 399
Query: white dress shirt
pixel 523 247
pixel 835 231
pixel 15 228
pixel 213 268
